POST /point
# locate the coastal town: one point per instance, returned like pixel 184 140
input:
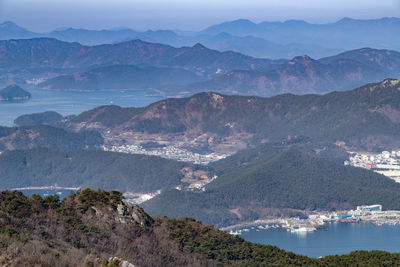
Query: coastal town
pixel 386 163
pixel 168 152
pixel 318 220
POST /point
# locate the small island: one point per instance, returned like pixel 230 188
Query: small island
pixel 14 93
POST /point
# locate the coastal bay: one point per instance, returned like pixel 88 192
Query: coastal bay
pixel 335 238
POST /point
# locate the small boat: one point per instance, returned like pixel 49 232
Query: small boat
pixel 350 219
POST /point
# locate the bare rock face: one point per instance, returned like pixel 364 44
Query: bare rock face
pixel 128 211
pixel 121 262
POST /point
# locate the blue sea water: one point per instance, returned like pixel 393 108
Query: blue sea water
pixel 62 193
pixel 71 103
pixel 337 238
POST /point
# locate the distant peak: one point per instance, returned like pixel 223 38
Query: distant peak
pixel 365 49
pixel 385 84
pixel 199 46
pixel 235 23
pixel 303 58
pixel 345 19
pixel 136 42
pixel 13 86
pixel 293 21
pixel 247 21
pixel 390 83
pixel 8 24
pixel 391 19
pixel 384 19
pixel 214 94
pixel 223 34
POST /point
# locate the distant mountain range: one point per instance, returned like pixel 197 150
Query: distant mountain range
pixel 29 59
pixel 346 33
pixel 303 75
pixel 170 71
pixel 266 39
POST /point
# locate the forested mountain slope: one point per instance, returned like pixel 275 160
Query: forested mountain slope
pixel 366 118
pixel 284 184
pixel 96 228
pixel 95 169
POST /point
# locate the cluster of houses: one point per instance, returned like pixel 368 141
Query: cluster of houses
pixel 386 163
pixel 169 152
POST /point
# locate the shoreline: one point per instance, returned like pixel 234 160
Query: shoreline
pixel 253 223
pixel 44 188
pixel 316 221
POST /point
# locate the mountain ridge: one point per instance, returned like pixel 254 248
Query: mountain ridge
pixel 41 58
pixel 144 52
pixel 352 33
pixel 71 66
pixel 119 77
pixel 304 75
pixel 356 117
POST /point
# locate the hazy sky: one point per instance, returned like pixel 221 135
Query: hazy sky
pixel 45 15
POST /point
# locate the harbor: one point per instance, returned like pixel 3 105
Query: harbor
pixel 318 220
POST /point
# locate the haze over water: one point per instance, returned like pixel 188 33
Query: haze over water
pixel 71 103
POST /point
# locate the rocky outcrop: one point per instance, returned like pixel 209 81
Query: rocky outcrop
pixel 133 212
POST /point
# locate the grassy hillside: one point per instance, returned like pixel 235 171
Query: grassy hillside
pixel 274 184
pixel 95 228
pixel 96 169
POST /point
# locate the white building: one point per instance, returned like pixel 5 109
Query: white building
pixel 370 208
